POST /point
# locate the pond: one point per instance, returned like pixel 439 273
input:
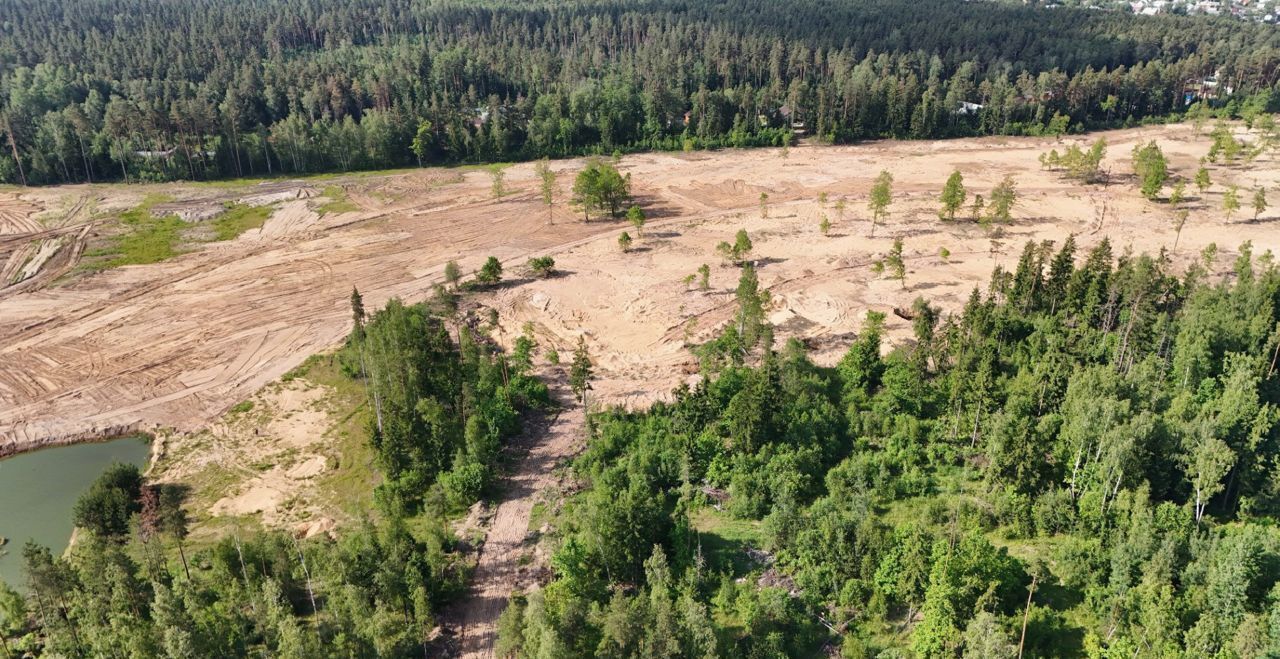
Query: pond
pixel 38 490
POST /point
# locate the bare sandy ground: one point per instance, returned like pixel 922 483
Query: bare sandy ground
pixel 176 344
pixel 261 462
pixel 638 315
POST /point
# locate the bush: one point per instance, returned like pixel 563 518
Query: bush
pixel 491 272
pixel 1055 512
pixel 464 483
pixel 542 266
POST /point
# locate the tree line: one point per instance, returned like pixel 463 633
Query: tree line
pixel 157 91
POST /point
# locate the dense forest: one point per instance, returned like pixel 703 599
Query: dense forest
pixel 442 411
pixel 182 89
pixel 1081 462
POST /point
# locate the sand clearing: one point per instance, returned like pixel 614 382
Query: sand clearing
pixel 176 344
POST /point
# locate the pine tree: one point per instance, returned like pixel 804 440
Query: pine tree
pixel 975 211
pixel 580 372
pixel 357 314
pixel 1202 179
pixel 1259 202
pixel 636 217
pixel 547 184
pixel 452 273
pixel 895 264
pixel 491 272
pixel 1179 193
pixel 1152 169
pixel 1003 198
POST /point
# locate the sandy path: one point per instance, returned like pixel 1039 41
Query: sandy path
pixel 499 573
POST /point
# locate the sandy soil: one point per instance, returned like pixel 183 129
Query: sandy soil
pixel 260 462
pixel 638 315
pixel 173 345
pixel 176 344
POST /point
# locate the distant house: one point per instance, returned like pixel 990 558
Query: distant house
pixel 792 118
pixel 1206 88
pixel 479 117
pixel 153 155
pixel 967 108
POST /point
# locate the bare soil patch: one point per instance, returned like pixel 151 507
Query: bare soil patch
pixel 175 344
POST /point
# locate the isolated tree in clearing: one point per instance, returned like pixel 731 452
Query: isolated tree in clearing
pixel 1202 179
pixel 599 188
pixel 953 196
pixel 976 209
pixel 580 372
pixel 542 266
pixel 491 272
pixel 1231 201
pixel 636 217
pixel 881 197
pixel 1003 198
pixel 1150 166
pixel 894 263
pixel 498 179
pixel 547 186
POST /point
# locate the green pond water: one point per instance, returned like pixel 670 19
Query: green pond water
pixel 38 490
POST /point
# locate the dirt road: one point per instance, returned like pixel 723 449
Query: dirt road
pixel 500 571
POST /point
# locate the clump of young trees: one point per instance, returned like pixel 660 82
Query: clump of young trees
pixel 738 250
pixel 1077 163
pixel 599 188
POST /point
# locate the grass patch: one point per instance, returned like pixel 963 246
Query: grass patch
pixel 145 239
pixel 237 219
pixel 538 516
pixel 338 201
pixel 725 540
pixel 348 485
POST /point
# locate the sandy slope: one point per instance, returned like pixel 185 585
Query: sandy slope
pixel 176 344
